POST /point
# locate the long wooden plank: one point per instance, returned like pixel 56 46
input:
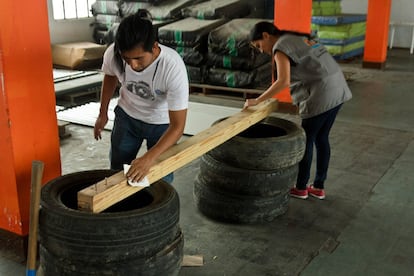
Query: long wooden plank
pixel 115 188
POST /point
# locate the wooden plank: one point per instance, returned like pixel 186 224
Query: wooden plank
pixel 192 260
pixel 111 190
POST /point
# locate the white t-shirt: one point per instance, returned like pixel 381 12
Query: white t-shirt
pixel 149 95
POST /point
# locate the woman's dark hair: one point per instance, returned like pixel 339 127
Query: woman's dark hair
pixel 266 27
pixel 134 30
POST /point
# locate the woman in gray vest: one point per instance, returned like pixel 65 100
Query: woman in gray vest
pixel 318 88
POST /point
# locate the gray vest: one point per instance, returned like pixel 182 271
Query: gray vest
pixel 318 82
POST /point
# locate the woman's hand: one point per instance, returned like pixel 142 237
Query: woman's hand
pixel 250 102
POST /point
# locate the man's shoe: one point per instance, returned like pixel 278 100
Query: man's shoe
pixel 315 192
pixel 302 194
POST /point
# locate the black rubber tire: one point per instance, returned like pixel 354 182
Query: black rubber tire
pixel 137 227
pixel 227 207
pixel 166 262
pixel 271 144
pixel 221 176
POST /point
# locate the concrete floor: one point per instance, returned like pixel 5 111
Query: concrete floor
pixel 364 227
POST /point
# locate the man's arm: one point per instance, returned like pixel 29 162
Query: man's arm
pixel 109 85
pixel 141 165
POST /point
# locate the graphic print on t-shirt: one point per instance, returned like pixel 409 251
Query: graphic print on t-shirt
pixel 141 89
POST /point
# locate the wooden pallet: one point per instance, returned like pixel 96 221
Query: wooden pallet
pixel 81 97
pixel 238 93
pixel 62 129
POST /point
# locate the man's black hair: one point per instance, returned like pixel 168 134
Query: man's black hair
pixel 135 30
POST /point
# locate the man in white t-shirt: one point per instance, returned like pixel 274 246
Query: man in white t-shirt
pixel 153 97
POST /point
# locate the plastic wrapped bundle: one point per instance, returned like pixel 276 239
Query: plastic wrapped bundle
pixel 230 78
pixel 258 77
pixel 323 7
pixel 195 74
pixel 346 50
pixel 105 7
pixel 339 19
pixel 232 38
pixel 128 8
pixel 109 36
pixel 105 13
pixel 263 78
pixel 152 2
pixel 341 31
pixel 170 9
pixel 343 35
pixel 214 9
pixel 187 32
pixel 105 21
pixel 237 63
pixel 191 55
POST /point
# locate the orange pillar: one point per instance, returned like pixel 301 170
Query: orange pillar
pixel 293 16
pixel 28 124
pixel 376 37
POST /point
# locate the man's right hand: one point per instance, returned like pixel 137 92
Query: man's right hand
pixel 99 125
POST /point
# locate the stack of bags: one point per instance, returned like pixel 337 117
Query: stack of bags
pixel 214 9
pixel 342 34
pixel 232 61
pixel 324 8
pixel 109 13
pixel 189 38
pixel 106 13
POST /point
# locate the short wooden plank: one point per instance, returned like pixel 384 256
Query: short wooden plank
pixel 192 260
pixel 115 188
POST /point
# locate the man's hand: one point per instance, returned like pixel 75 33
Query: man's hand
pixel 139 168
pixel 99 125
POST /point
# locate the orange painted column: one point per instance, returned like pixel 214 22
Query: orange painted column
pixel 376 37
pixel 293 16
pixel 28 124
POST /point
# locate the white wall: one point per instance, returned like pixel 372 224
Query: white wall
pixel 62 31
pixel 401 11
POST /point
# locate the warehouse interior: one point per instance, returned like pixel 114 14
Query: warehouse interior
pixel 363 227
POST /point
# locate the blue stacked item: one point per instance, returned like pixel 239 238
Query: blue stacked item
pixel 342 34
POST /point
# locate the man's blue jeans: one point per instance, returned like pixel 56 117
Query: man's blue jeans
pixel 127 137
pixel 317 132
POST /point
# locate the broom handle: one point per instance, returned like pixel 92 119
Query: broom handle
pixel 37 174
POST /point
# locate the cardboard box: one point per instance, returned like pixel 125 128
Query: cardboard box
pixel 78 55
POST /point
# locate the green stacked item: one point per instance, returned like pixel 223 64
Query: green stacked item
pixel 342 31
pixel 343 34
pixel 326 7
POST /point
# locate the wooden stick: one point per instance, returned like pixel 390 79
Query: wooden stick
pixel 37 174
pixel 111 190
pixel 192 260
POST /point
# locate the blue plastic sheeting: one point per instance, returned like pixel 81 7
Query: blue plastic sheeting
pixel 339 19
pixel 342 42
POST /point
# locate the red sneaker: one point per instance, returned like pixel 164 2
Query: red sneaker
pixel 315 192
pixel 302 194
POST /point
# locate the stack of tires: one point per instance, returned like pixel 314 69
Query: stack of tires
pixel 137 236
pixel 247 179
